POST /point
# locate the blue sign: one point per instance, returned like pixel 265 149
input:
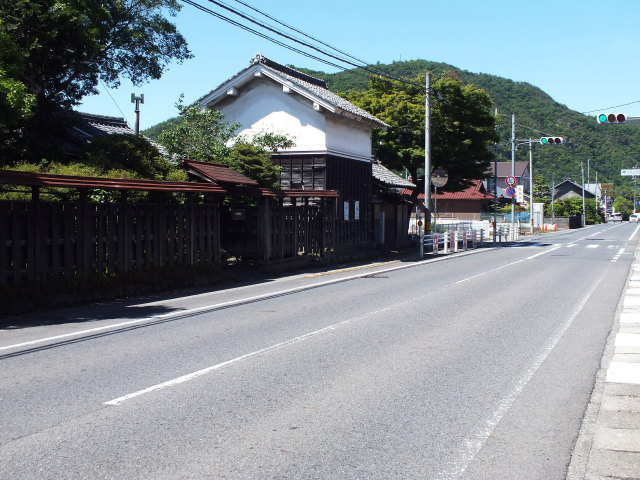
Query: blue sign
pixel 510 192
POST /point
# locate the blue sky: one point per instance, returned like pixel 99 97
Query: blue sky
pixel 585 54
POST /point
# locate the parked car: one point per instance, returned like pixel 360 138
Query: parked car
pixel 615 217
pixel 634 217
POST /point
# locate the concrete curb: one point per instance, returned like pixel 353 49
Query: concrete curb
pixel 608 445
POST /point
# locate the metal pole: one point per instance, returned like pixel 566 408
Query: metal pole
pixel 435 209
pixel 427 156
pixel 530 187
pixel 495 188
pixel 513 166
pixel 137 101
pixel 584 218
pixel 553 195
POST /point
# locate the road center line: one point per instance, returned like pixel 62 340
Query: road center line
pixel 204 371
pixel 216 306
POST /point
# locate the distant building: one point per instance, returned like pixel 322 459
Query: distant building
pixel 568 188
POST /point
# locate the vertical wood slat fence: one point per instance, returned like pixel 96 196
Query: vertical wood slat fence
pixel 297 230
pixel 43 240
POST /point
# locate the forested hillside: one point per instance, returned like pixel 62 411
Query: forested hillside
pixel 606 148
pixel 609 148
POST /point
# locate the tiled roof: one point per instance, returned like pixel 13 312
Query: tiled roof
pixel 388 178
pixel 504 169
pixel 220 174
pixel 314 86
pixel 475 192
pixel 74 181
pixel 88 125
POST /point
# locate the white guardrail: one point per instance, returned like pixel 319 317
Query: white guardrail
pixel 452 241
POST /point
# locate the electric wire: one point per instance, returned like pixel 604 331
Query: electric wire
pixel 269 28
pixel 301 42
pixel 609 108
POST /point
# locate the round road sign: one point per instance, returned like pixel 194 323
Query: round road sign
pixel 510 192
pixel 510 181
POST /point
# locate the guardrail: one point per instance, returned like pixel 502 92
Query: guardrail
pixel 454 241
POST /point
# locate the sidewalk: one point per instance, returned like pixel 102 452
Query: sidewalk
pixel 608 446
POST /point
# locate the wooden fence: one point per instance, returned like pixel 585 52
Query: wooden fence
pixel 47 240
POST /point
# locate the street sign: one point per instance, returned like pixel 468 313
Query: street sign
pixel 510 192
pixel 520 193
pixel 631 172
pixel 510 181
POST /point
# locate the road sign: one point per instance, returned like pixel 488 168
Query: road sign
pixel 510 192
pixel 520 194
pixel 510 181
pixel 631 172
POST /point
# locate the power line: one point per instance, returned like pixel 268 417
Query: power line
pixel 609 108
pixel 272 29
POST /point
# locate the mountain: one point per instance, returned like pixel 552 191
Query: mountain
pixel 605 149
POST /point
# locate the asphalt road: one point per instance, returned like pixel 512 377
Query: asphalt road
pixel 470 366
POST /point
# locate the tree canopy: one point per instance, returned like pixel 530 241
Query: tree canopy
pixel 54 53
pixel 69 45
pixel 462 127
pixel 204 136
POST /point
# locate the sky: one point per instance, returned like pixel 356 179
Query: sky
pixel 585 54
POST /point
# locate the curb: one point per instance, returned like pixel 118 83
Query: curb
pixel 608 445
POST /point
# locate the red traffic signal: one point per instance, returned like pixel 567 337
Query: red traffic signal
pixel 612 118
pixel 551 140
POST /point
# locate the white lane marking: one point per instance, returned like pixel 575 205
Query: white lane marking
pixel 634 233
pixel 475 442
pixel 191 376
pixel 617 255
pixel 593 246
pixel 553 248
pixel 215 306
pixel 204 371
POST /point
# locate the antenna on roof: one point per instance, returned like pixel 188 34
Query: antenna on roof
pixel 137 101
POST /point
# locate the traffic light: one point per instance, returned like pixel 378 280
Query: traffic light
pixel 551 140
pixel 612 118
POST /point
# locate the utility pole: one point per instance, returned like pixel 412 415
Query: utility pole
pixel 513 166
pixel 495 187
pixel 137 101
pixel 584 218
pixel 427 158
pixel 530 187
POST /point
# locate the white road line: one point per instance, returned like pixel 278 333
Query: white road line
pixel 593 246
pixel 191 376
pixel 634 233
pixel 475 442
pixel 214 306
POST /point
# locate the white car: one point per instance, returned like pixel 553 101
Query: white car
pixel 615 217
pixel 634 217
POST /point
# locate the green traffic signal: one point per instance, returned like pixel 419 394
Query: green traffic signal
pixel 551 140
pixel 612 118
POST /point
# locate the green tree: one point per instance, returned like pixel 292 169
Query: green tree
pixel 623 206
pixel 255 163
pixel 462 127
pixel 128 152
pixel 60 51
pixel 202 135
pixel 16 103
pixel 69 45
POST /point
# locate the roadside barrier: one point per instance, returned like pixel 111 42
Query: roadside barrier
pixel 454 241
